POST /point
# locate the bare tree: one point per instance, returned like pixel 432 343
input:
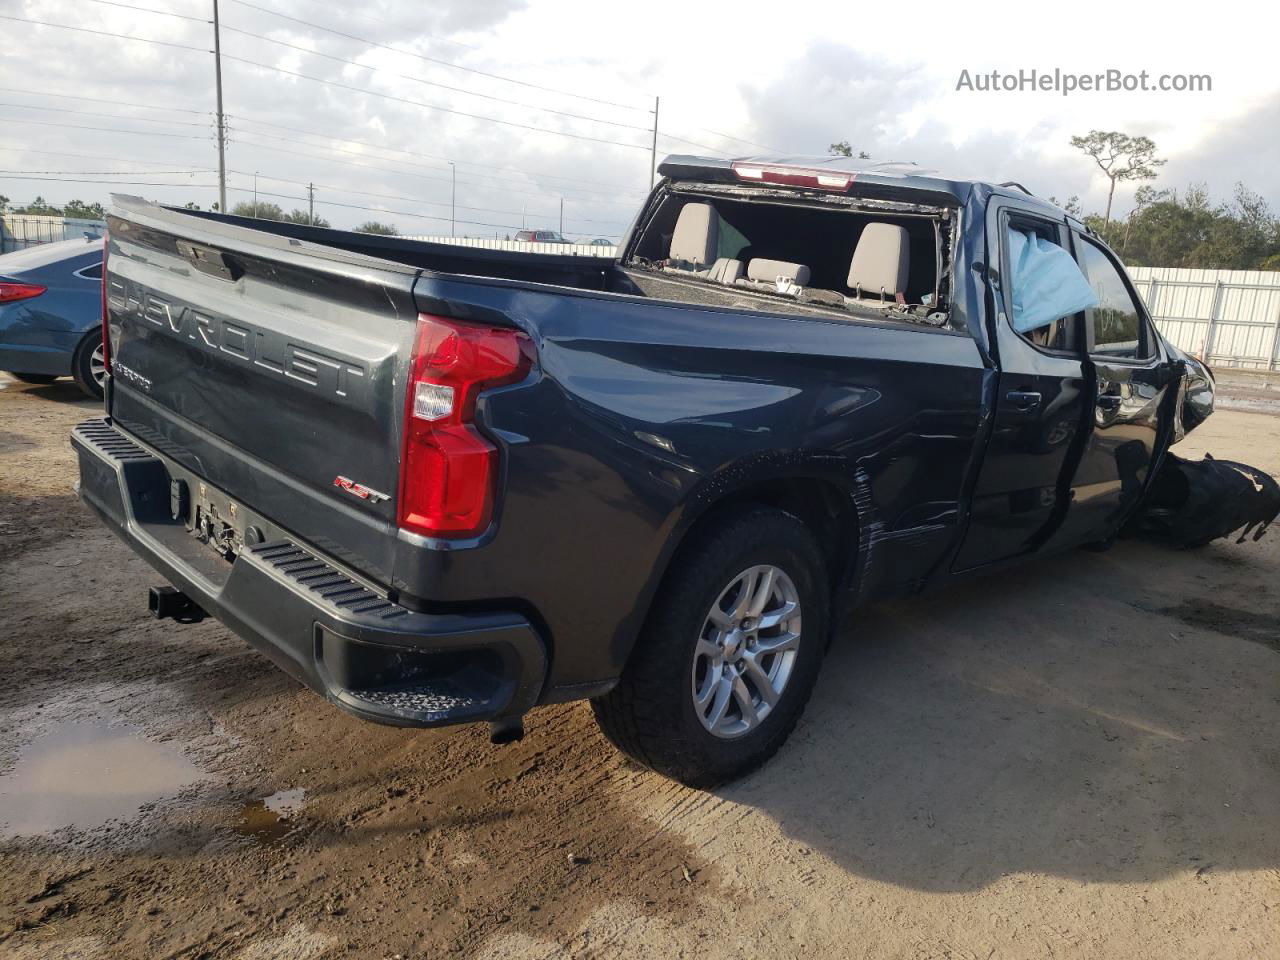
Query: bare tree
pixel 1121 157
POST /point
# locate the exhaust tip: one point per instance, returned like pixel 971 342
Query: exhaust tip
pixel 506 730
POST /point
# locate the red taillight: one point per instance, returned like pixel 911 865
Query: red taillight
pixel 13 292
pixel 793 176
pixel 106 321
pixel 447 468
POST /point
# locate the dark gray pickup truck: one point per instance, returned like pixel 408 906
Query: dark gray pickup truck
pixel 440 484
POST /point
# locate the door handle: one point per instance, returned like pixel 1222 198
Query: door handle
pixel 1023 400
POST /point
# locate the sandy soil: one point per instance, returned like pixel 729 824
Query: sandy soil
pixel 1076 759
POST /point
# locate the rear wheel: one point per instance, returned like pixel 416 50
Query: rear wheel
pixel 89 365
pixel 729 655
pixel 36 378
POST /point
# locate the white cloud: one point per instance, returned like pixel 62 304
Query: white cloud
pixel 795 76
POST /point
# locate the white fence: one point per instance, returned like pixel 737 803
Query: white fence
pixel 1231 318
pixel 20 230
pixel 524 246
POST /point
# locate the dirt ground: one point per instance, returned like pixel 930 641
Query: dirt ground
pixel 1076 759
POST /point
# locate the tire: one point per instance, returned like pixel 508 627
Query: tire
pixel 87 367
pixel 40 379
pixel 652 716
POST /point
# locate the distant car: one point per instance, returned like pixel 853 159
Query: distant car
pixel 601 242
pixel 51 313
pixel 540 236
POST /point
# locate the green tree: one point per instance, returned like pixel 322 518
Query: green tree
pixel 4 203
pixel 39 207
pixel 1169 228
pixel 842 149
pixel 301 216
pixel 79 210
pixel 261 210
pixel 1120 157
pixel 373 226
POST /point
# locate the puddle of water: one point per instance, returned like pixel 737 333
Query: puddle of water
pixel 270 819
pixel 84 774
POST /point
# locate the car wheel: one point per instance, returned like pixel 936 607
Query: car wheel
pixel 729 654
pixel 36 378
pixel 89 365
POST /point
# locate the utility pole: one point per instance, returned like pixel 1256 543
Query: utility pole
pixel 222 122
pixel 453 200
pixel 311 204
pixel 562 216
pixel 255 193
pixel 653 154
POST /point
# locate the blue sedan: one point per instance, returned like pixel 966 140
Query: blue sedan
pixel 51 313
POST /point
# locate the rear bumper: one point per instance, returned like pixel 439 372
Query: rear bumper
pixel 321 625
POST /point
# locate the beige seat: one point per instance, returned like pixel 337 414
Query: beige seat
pixel 881 260
pixel 696 237
pixel 770 271
pixel 726 270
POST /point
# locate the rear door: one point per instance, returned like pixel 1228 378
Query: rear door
pixel 1023 492
pixel 1129 406
pixel 266 365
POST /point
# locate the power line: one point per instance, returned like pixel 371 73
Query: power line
pixel 356 206
pixel 77 126
pixel 105 116
pixel 407 173
pixel 86 156
pixel 433 83
pixel 111 173
pixel 182 46
pixel 122 103
pixel 473 93
pixel 432 106
pixel 416 103
pixel 387 23
pixel 127 183
pixel 437 60
pixel 750 143
pixel 387 196
pixel 105 33
pixel 416 156
pixel 161 13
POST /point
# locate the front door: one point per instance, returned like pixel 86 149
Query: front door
pixel 1043 402
pixel 1129 409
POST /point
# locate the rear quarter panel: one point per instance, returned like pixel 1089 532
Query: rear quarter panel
pixel 641 415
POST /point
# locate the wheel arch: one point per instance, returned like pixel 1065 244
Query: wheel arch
pixel 825 499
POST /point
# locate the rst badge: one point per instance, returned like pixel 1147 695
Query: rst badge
pixel 359 489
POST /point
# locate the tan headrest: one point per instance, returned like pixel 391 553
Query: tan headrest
pixel 697 234
pixel 771 270
pixel 880 261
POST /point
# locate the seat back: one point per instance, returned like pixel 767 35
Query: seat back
pixel 726 270
pixel 880 262
pixel 696 236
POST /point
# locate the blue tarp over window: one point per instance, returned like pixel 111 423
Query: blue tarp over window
pixel 1047 282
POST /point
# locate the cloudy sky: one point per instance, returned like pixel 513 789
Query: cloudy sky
pixel 370 101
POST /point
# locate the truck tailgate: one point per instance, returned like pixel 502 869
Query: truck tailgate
pixel 268 367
